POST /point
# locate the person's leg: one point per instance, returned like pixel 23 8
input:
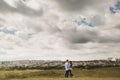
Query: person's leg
pixel 71 75
pixel 66 74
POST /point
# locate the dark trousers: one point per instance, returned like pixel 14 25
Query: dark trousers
pixel 66 73
pixel 71 74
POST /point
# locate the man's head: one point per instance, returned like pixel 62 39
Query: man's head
pixel 67 60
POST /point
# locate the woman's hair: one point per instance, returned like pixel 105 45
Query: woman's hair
pixel 70 63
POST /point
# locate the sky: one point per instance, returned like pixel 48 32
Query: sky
pixel 59 29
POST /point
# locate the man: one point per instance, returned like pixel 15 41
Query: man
pixel 67 68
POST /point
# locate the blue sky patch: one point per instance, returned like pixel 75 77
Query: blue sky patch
pixel 82 21
pixel 114 9
pixel 7 31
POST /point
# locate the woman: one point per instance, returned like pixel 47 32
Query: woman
pixel 70 68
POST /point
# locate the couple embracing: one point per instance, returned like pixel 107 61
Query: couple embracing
pixel 68 68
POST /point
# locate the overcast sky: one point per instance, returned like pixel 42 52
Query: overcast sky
pixel 59 29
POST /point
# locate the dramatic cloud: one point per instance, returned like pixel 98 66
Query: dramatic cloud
pixel 20 8
pixel 59 29
pixel 76 5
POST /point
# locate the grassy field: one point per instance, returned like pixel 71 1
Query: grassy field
pixel 88 78
pixel 94 74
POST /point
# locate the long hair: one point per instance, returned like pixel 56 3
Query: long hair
pixel 71 64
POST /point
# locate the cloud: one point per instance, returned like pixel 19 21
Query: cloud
pixel 82 35
pixel 80 5
pixel 118 26
pixel 2 52
pixel 107 36
pixel 20 8
pixel 98 20
pixel 58 29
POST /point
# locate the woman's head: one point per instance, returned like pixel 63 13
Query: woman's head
pixel 70 63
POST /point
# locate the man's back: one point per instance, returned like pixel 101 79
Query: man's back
pixel 66 66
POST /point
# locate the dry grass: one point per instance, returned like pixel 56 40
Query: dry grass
pixel 95 74
pixel 88 78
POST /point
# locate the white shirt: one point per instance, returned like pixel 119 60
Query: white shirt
pixel 66 66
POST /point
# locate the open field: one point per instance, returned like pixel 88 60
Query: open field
pixel 88 78
pixel 94 74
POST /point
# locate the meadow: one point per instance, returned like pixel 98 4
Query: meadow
pixel 79 74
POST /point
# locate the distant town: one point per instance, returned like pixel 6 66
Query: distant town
pixel 46 64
